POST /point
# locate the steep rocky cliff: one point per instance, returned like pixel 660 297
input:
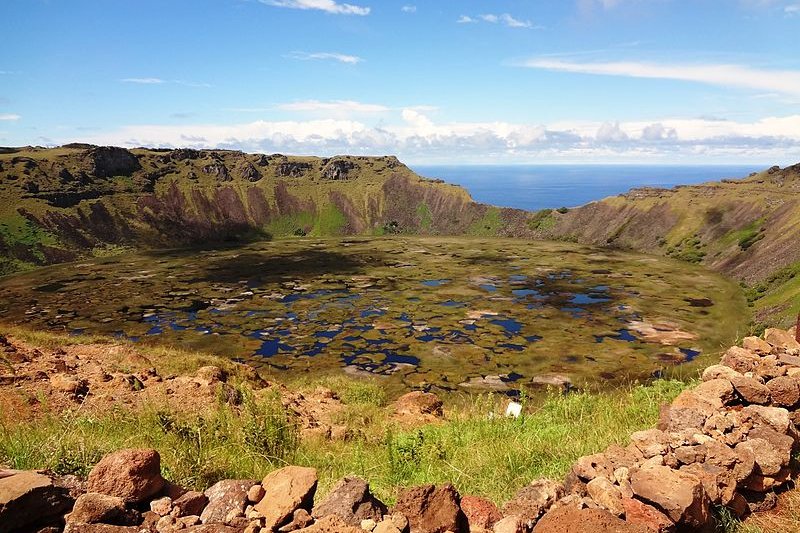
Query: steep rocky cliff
pixel 747 228
pixel 63 203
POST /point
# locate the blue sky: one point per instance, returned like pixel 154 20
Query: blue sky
pixel 439 81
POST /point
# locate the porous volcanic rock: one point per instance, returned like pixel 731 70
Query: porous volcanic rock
pixel 93 508
pixel 569 519
pixel 480 512
pixel 131 474
pixel 679 495
pixel 423 405
pixel 639 513
pixel 330 524
pixel 432 509
pixel 351 500
pixel 530 502
pixel 28 498
pixel 286 490
pixel 225 497
pixel 109 161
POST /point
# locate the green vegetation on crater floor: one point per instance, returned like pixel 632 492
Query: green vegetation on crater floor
pixel 452 314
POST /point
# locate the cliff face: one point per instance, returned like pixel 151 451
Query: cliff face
pixel 748 229
pixel 59 204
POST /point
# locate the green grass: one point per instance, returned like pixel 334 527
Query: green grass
pixel 689 249
pixel 542 220
pixel 290 225
pixel 424 217
pixel 747 236
pixel 781 290
pixel 488 226
pixel 330 221
pixel 493 457
pixel 18 230
pixel 13 266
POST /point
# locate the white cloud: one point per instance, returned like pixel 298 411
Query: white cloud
pixel 329 6
pixel 324 56
pixel 413 135
pixel 10 116
pixel 792 10
pixel 159 81
pixel 409 9
pixel 503 18
pixel 143 81
pixel 779 81
pixel 336 106
pixel 658 132
pixel 609 132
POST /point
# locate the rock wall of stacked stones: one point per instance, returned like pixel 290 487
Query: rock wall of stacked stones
pixel 727 443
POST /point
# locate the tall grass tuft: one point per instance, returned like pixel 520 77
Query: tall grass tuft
pixel 481 454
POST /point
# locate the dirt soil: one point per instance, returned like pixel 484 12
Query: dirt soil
pixel 36 381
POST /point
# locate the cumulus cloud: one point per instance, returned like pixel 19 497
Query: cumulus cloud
pixel 413 134
pixel 503 18
pixel 324 56
pixel 409 9
pixel 609 132
pixel 10 117
pixel 780 81
pixel 328 6
pixel 658 132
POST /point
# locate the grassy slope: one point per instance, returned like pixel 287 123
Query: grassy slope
pixel 493 457
pixel 747 229
pixel 309 208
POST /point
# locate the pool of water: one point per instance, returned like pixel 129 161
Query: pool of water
pixel 303 306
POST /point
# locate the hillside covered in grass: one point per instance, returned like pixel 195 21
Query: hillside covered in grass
pixel 63 203
pixel 75 201
pixel 748 229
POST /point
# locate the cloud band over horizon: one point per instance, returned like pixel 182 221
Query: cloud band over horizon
pixel 419 139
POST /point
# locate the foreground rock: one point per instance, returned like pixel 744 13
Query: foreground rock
pixel 728 442
pixel 227 498
pixel 352 501
pixel 681 496
pixel 132 475
pixel 95 508
pixel 418 407
pixel 432 509
pixel 28 498
pixel 572 520
pixel 285 491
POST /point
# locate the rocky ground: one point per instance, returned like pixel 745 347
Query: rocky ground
pixel 729 442
pixel 37 381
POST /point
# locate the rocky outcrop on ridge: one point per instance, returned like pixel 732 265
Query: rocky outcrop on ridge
pixel 728 442
pixel 62 203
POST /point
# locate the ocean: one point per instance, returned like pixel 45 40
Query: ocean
pixel 535 187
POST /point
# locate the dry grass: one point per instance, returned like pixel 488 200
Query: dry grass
pixel 785 518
